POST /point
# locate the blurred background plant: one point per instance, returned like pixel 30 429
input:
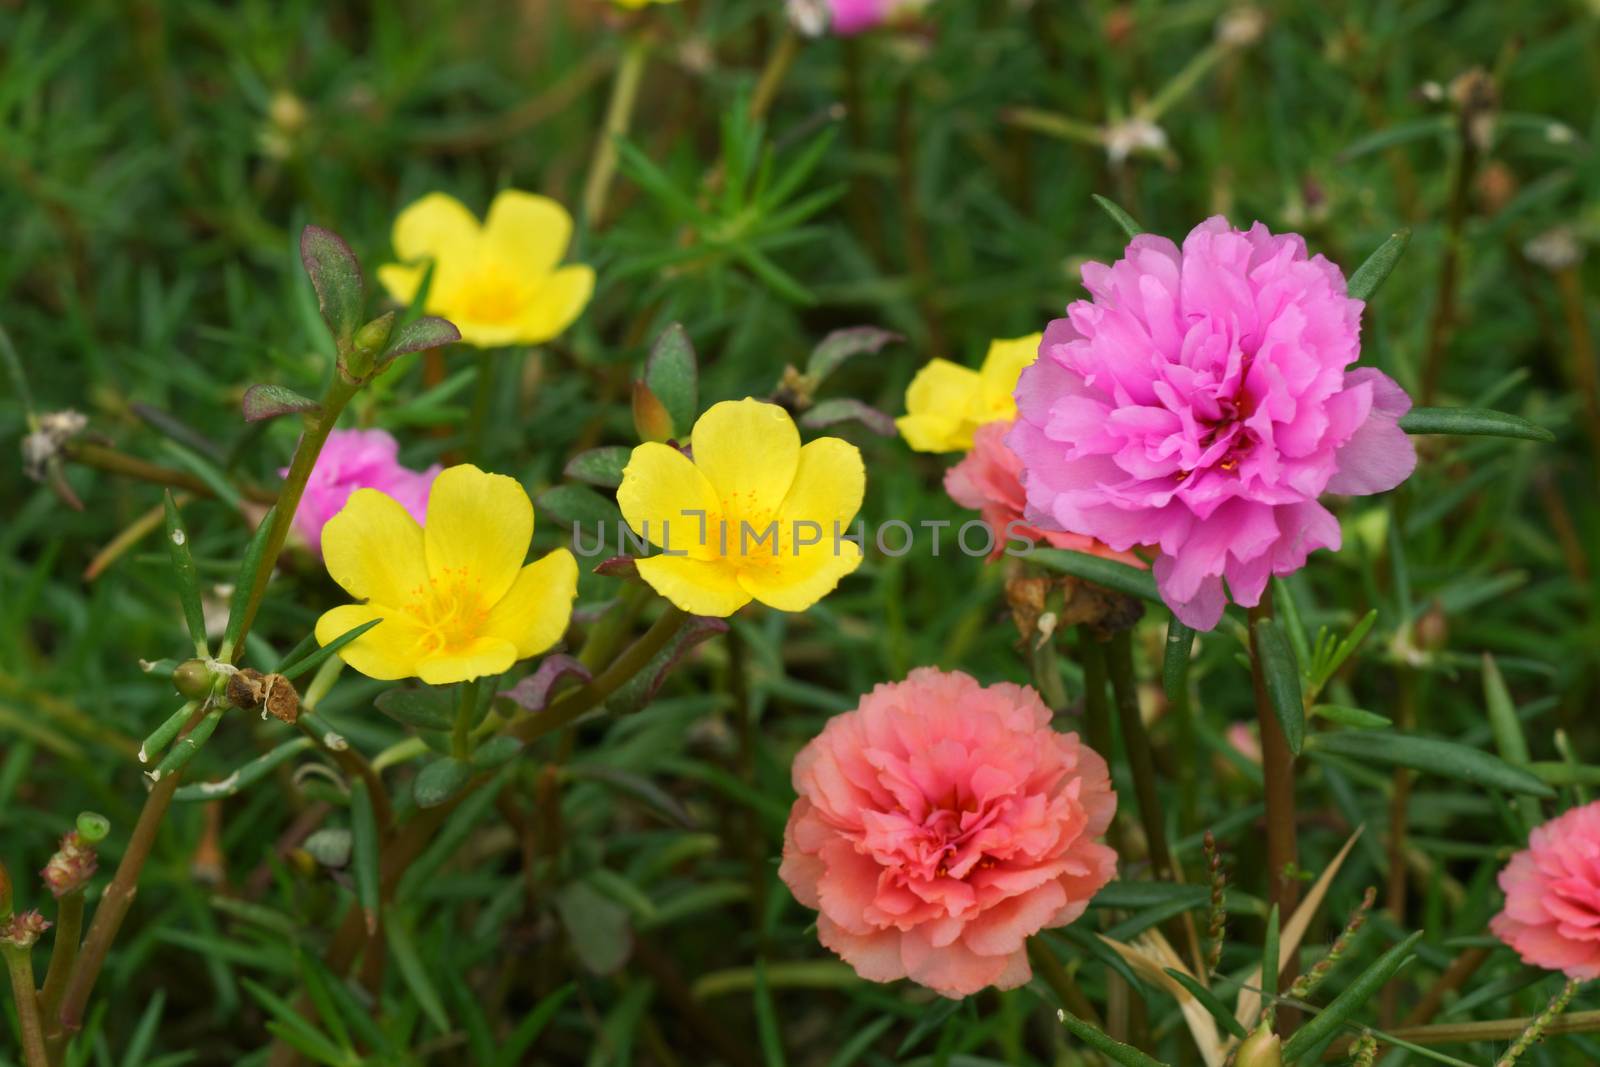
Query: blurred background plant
pixel 157 163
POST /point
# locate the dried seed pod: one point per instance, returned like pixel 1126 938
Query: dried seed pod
pixel 245 688
pixel 280 699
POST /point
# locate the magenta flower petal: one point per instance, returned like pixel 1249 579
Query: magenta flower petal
pixel 1200 403
pixel 358 459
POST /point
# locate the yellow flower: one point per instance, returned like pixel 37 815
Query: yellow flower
pixel 752 516
pixel 947 402
pixel 500 282
pixel 455 599
pixel 635 5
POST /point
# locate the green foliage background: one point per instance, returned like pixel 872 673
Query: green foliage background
pixel 151 193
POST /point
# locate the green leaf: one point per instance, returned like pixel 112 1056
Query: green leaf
pixel 415 974
pixel 1431 755
pixel 246 776
pixel 336 276
pixel 495 752
pixel 307 664
pixel 578 505
pixel 262 402
pixel 1472 422
pixel 597 927
pixel 672 373
pixel 1270 962
pixel 1175 659
pixel 364 851
pixel 1372 273
pixel 1102 1042
pixel 1352 717
pixel 599 466
pixel 429 331
pixel 522 1038
pixel 424 707
pixel 1361 989
pixel 841 345
pixel 1208 1000
pixel 1119 216
pixel 183 569
pixel 767 1019
pixel 1134 896
pixel 1281 674
pixel 245 578
pixel 1119 577
pixel 835 410
pixel 439 781
pixel 636 786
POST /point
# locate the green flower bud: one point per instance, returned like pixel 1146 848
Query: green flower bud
pixel 366 346
pixel 193 679
pixel 93 827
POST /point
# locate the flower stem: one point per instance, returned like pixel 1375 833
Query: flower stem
pixel 19 961
pixel 574 704
pixel 1278 776
pixel 461 737
pixel 118 897
pixel 1137 742
pixel 772 75
pixel 482 401
pixel 63 951
pixel 114 462
pixel 1056 977
pixel 619 116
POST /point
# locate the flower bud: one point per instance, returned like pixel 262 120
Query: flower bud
pixel 192 679
pixel 93 827
pixel 1261 1049
pixel 650 416
pixel 360 361
pixel 70 869
pixel 23 930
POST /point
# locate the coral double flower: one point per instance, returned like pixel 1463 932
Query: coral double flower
pixel 940 825
pixel 752 516
pixel 499 282
pixel 455 598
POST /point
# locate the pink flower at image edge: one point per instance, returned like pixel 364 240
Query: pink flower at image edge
pixel 1552 888
pixel 989 480
pixel 858 16
pixel 939 825
pixel 1200 403
pixel 358 459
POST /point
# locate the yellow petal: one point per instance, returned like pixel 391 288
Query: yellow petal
pixel 436 227
pixel 829 482
pixel 375 550
pixel 555 305
pixel 478 527
pixel 700 587
pixel 536 609
pixel 484 656
pixel 748 450
pixel 660 488
pixel 794 583
pixel 401 282
pixel 1001 368
pixel 386 652
pixel 526 233
pixel 939 401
